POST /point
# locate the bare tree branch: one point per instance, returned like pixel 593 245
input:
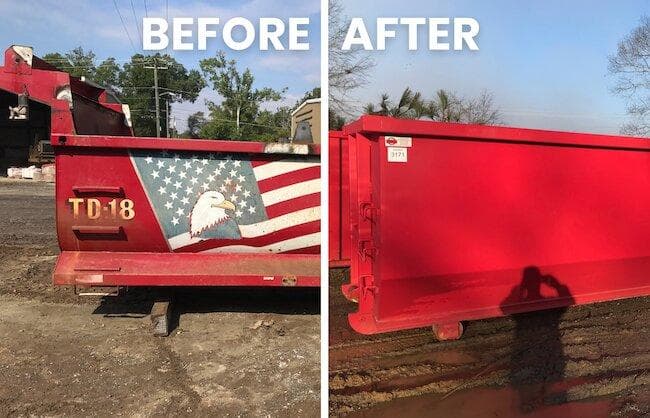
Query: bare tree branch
pixel 631 65
pixel 445 106
pixel 348 70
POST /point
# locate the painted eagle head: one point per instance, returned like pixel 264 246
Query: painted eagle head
pixel 208 212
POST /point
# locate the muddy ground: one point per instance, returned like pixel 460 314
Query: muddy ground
pixel 62 355
pixel 588 361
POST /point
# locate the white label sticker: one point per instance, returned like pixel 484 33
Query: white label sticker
pixel 397 154
pixel 398 141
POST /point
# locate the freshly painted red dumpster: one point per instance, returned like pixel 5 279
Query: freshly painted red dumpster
pixel 339 200
pixel 454 222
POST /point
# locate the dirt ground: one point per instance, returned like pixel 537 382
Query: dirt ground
pixel 588 361
pixel 62 355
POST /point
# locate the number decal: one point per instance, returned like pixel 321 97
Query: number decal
pixel 126 209
pixel 94 209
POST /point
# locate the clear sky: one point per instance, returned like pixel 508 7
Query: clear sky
pixel 61 25
pixel 545 61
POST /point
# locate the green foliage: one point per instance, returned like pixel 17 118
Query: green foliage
pixel 136 89
pixel 336 121
pixel 194 124
pixel 409 106
pixel 238 116
pixel 443 107
pixel 77 62
pixel 312 94
pixel 108 74
pixel 134 84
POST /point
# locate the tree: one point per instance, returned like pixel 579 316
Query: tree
pixel 134 84
pixel 235 116
pixel 107 74
pixel 311 94
pixel 348 70
pixel 481 110
pixel 444 107
pixel 78 63
pixel 136 88
pixel 409 106
pixel 336 121
pixel 194 124
pixel 631 66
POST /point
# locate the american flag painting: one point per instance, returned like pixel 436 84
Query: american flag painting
pixel 220 202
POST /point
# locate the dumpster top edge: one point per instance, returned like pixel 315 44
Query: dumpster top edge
pixel 384 125
pixel 99 141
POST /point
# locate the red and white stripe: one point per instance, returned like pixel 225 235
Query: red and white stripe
pixel 290 191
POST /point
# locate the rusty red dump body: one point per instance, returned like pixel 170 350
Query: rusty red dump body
pixel 160 212
pixel 143 211
pixel 457 222
pixel 56 102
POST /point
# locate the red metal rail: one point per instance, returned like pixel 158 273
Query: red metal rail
pixel 339 201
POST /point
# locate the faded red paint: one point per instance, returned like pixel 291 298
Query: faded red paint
pixel 91 141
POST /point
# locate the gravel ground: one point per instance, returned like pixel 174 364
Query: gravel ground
pixel 586 361
pixel 234 352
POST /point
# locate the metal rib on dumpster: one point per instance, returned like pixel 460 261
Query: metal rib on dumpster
pixel 456 222
pixel 339 201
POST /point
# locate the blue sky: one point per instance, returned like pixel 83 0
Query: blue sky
pixel 545 61
pixel 60 25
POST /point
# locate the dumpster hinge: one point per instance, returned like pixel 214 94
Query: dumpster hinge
pixel 367 285
pixel 367 249
pixel 368 211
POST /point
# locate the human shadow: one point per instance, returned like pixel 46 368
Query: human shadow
pixel 537 357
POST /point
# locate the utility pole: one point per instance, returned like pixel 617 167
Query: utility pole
pixel 167 115
pixel 168 119
pixel 155 69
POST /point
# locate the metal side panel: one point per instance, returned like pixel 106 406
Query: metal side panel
pixel 198 199
pixel 339 201
pixel 466 227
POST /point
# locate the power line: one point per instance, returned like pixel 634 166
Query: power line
pixel 167 17
pixel 117 9
pixel 146 11
pixel 187 112
pixel 135 19
pixel 161 88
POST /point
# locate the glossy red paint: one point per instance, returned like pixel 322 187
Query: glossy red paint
pixel 472 222
pixel 339 201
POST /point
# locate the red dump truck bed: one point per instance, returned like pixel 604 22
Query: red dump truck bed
pixel 455 222
pixel 158 212
pixel 143 211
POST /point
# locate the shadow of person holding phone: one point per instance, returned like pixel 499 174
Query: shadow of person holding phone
pixel 537 357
